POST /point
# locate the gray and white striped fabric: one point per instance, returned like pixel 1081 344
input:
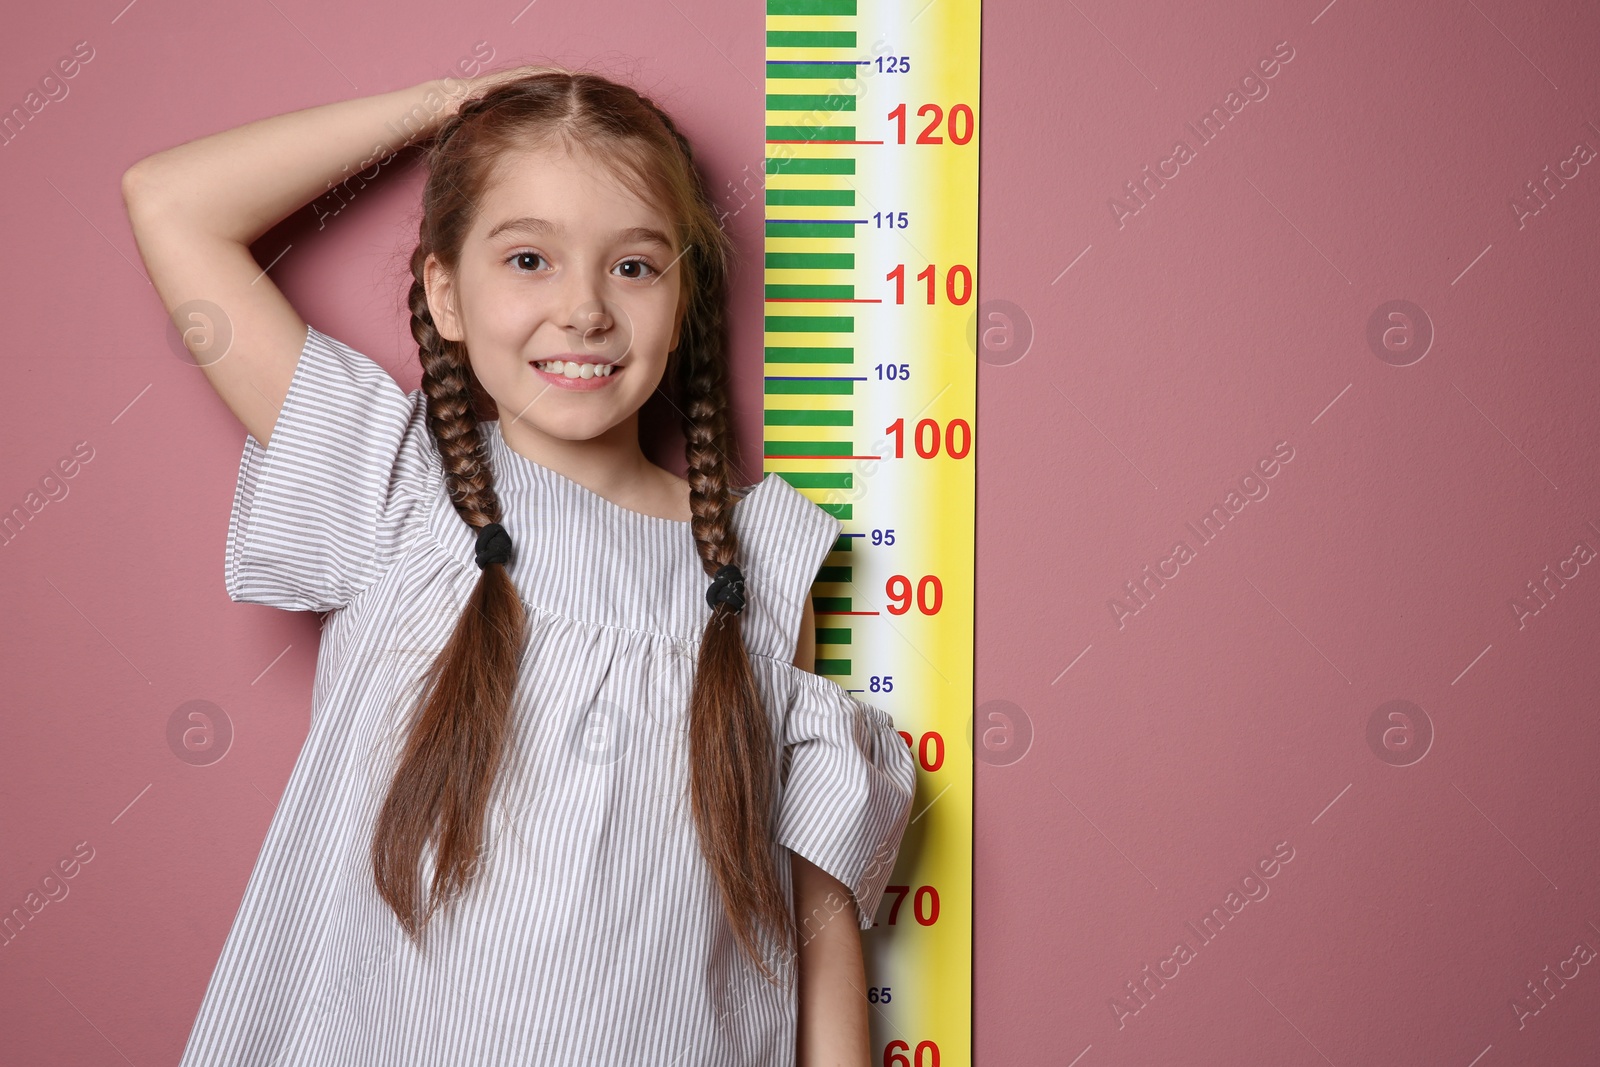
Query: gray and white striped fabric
pixel 593 933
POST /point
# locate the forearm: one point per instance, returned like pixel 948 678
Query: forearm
pixel 832 1028
pixel 239 183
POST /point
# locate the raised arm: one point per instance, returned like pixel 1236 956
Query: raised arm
pixel 196 208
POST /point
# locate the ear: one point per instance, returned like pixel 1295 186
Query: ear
pixel 440 286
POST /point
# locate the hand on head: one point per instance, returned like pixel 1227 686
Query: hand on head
pixel 458 90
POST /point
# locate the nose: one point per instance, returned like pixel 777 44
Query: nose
pixel 595 326
pixel 591 317
pixel 587 312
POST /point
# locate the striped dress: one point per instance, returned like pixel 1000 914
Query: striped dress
pixel 593 932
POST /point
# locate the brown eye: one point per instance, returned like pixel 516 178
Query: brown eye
pixel 637 263
pixel 519 257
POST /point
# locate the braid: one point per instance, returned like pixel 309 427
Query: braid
pixel 457 739
pixel 731 739
pixel 704 392
pixel 705 449
pixel 447 383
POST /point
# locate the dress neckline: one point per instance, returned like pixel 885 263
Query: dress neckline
pixel 508 462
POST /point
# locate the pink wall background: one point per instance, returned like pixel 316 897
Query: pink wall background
pixel 1167 354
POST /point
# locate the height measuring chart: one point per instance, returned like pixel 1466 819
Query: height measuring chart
pixel 871 253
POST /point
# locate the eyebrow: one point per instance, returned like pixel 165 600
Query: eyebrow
pixel 543 227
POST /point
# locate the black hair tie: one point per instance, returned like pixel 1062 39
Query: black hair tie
pixel 494 545
pixel 727 588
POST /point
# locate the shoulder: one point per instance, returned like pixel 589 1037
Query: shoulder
pixel 341 488
pixel 784 539
pixel 779 508
pixel 387 429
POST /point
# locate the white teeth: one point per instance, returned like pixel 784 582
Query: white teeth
pixel 574 369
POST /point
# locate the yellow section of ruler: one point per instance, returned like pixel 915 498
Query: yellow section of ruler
pixel 871 253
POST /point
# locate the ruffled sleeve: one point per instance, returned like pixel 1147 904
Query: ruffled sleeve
pixel 848 785
pixel 318 511
pixel 847 777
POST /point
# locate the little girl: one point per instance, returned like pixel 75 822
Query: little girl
pixel 569 779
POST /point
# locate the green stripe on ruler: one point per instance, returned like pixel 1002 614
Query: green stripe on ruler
pixel 811 7
pixel 811 39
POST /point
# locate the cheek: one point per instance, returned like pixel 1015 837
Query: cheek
pixel 492 302
pixel 503 318
pixel 655 316
pixel 496 337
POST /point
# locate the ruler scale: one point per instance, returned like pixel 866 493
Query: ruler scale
pixel 870 273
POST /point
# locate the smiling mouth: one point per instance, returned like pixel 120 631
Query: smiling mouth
pixel 567 368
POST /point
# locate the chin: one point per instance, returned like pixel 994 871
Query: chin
pixel 564 426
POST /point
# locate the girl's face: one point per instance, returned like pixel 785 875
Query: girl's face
pixel 563 264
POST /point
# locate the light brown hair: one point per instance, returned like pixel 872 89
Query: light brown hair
pixel 448 765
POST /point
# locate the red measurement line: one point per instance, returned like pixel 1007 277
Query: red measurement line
pixel 821 300
pixel 821 457
pixel 849 613
pixel 813 141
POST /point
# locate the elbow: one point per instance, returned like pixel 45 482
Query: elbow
pixel 139 190
pixel 134 188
